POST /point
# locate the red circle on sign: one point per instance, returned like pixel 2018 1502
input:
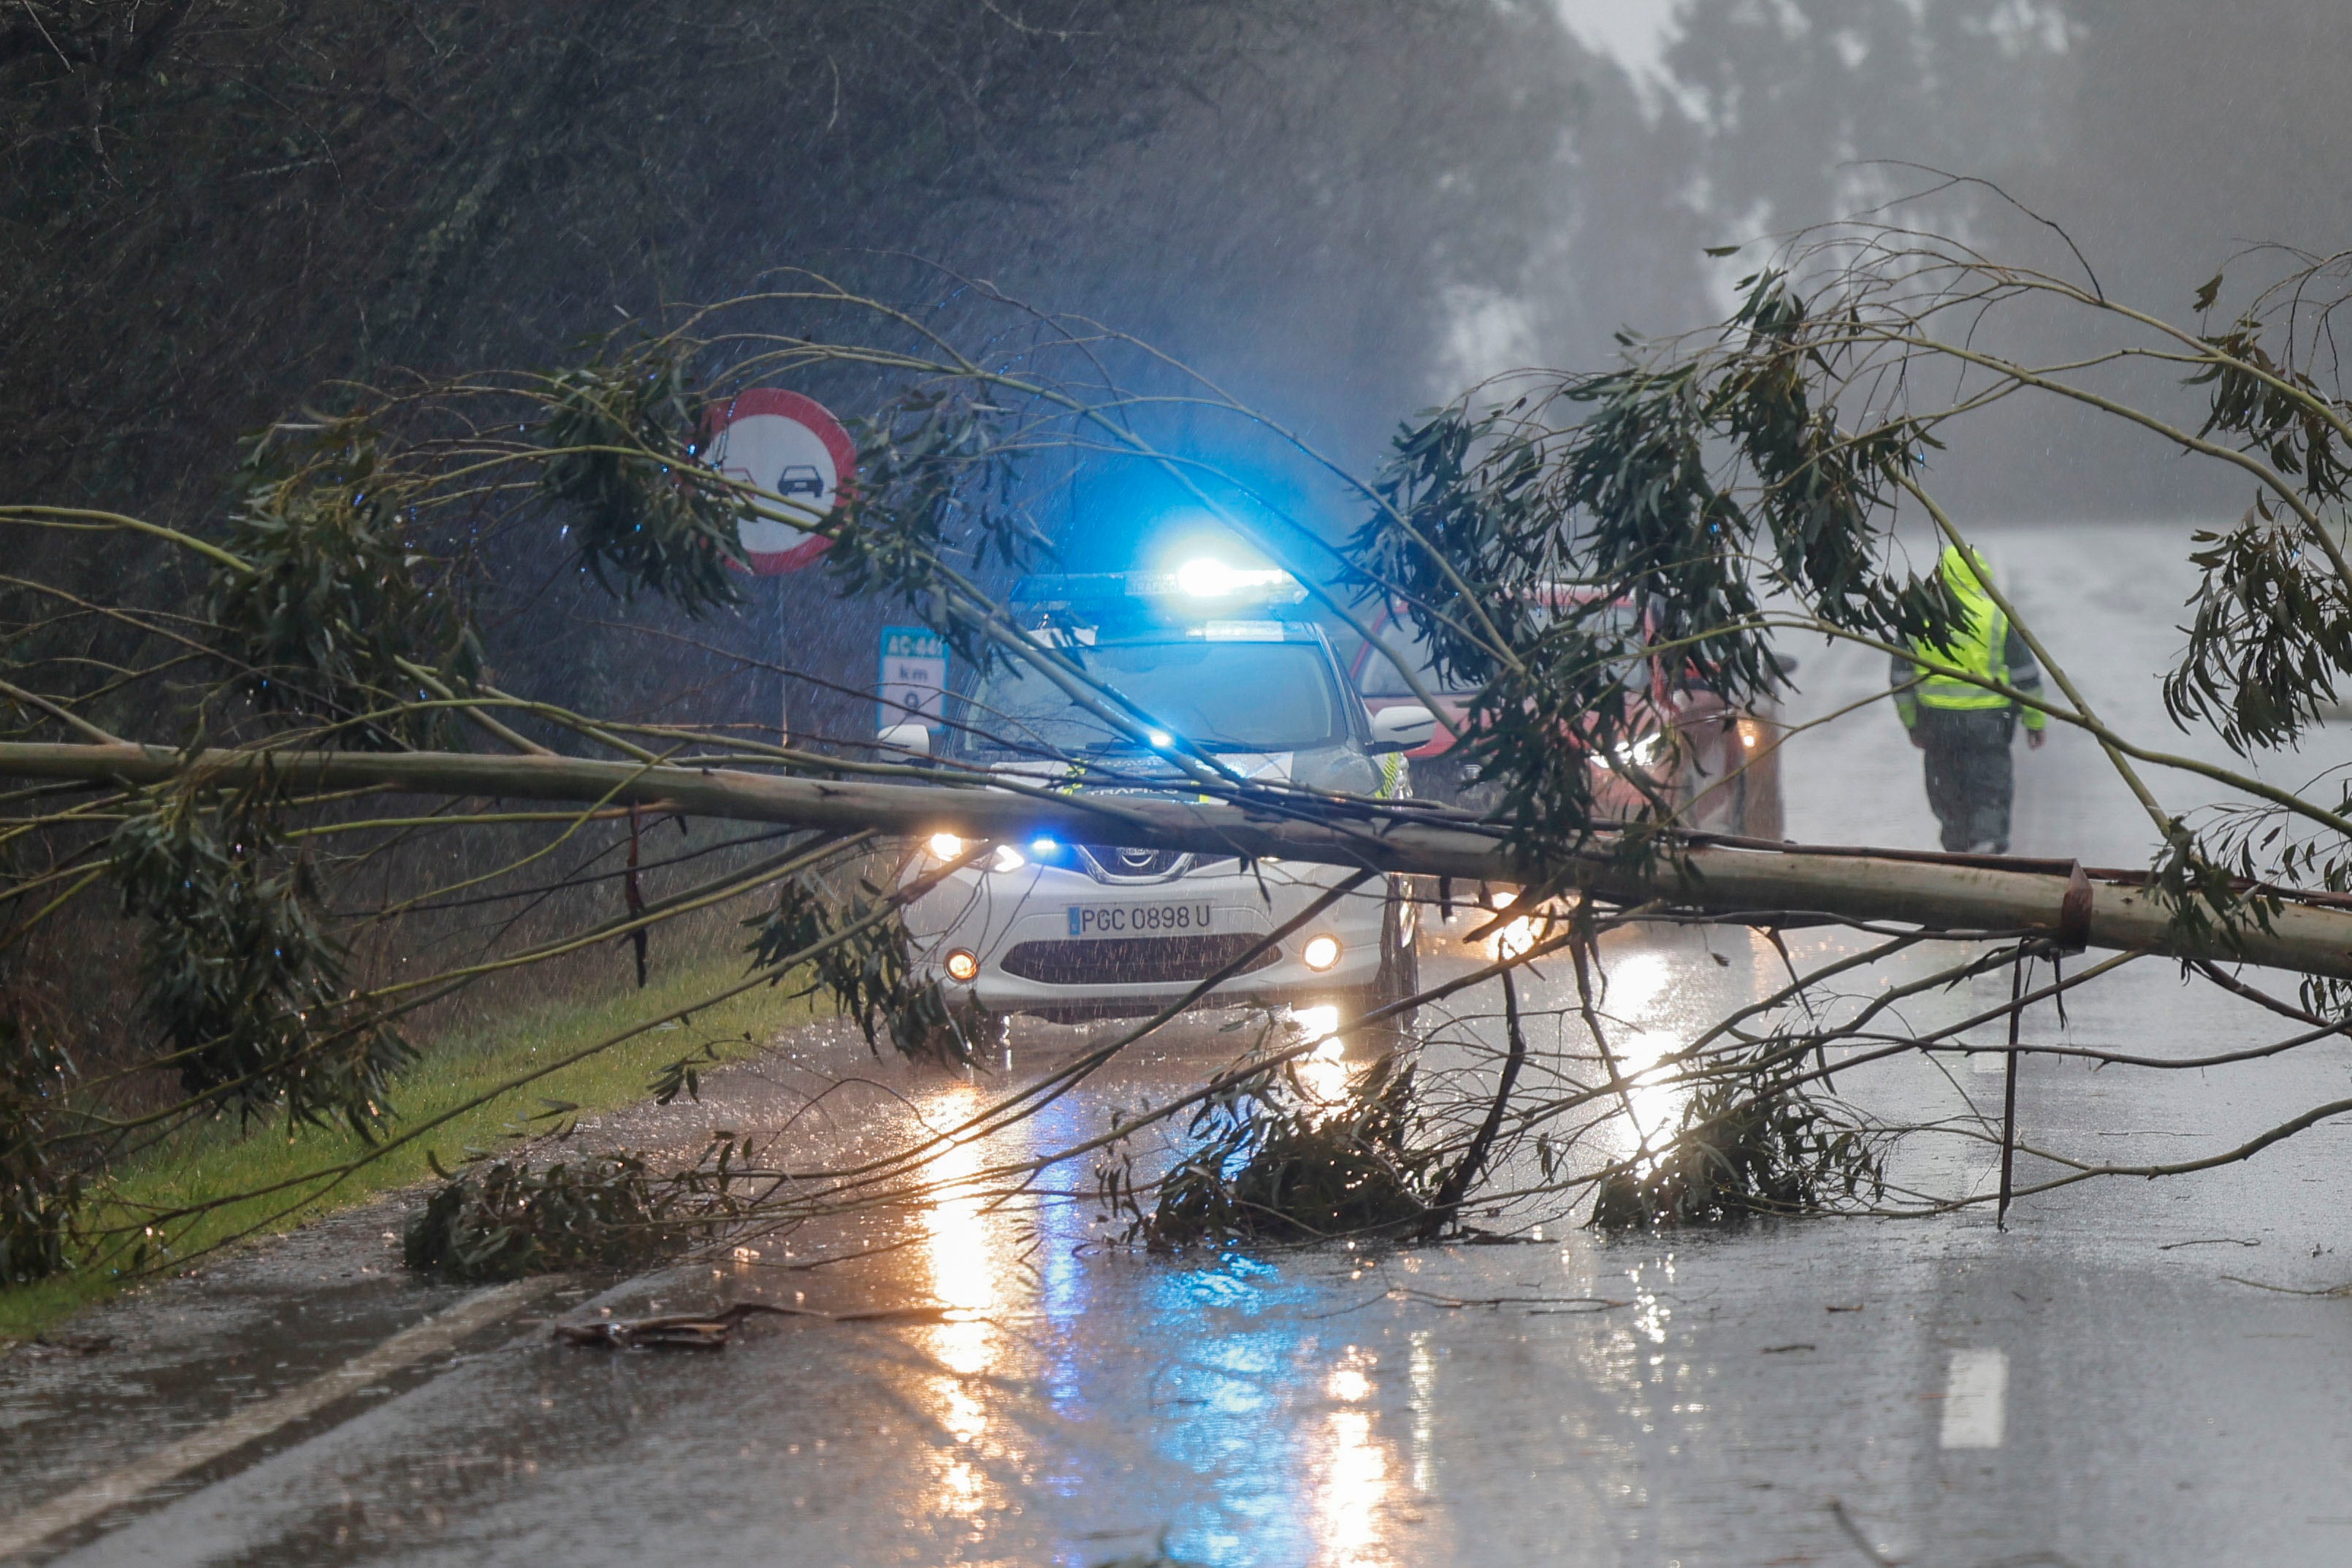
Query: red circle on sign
pixel 799 549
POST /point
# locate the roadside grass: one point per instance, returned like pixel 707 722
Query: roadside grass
pixel 219 1159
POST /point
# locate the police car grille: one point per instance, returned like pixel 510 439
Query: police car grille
pixel 1132 960
pixel 1110 863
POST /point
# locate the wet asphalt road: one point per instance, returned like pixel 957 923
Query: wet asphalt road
pixel 2089 1387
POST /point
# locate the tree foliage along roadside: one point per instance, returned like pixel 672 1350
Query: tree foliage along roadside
pixel 278 773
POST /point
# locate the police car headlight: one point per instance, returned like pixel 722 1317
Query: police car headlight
pixel 1320 953
pixel 1009 858
pixel 961 964
pixel 945 846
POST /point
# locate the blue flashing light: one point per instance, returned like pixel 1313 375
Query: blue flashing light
pixel 1209 577
pixel 1047 850
pixel 1161 740
pixel 1198 585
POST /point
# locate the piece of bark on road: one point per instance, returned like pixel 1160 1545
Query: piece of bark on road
pixel 712 1331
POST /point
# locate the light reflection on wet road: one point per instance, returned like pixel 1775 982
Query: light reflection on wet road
pixel 1329 1408
pixel 2086 1389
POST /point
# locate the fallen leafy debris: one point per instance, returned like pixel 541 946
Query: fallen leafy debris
pixel 502 1219
pixel 1747 1145
pixel 1276 1162
pixel 712 1331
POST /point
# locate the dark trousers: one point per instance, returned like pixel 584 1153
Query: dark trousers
pixel 1971 781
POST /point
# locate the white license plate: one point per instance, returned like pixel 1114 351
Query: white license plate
pixel 1174 918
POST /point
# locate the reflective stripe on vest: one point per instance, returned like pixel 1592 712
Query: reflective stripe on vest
pixel 1977 646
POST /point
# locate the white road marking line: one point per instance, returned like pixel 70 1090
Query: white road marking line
pixel 1975 1399
pixel 412 1344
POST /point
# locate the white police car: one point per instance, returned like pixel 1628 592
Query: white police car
pixel 1065 931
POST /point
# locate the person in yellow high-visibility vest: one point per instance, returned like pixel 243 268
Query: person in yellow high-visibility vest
pixel 1965 728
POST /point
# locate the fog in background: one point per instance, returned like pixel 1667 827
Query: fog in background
pixel 2164 135
pixel 1423 225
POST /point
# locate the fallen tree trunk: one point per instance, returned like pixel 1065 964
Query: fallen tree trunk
pixel 1776 885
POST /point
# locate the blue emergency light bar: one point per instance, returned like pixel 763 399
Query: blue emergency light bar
pixel 1197 585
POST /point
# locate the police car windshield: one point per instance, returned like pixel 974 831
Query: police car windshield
pixel 1218 695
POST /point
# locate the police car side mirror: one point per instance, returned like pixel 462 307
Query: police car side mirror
pixel 1402 729
pixel 913 739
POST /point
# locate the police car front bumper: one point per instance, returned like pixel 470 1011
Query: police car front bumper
pixel 1062 944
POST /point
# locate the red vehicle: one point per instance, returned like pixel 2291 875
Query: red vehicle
pixel 1717 767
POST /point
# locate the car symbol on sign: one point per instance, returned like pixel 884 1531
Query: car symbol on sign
pixel 800 479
